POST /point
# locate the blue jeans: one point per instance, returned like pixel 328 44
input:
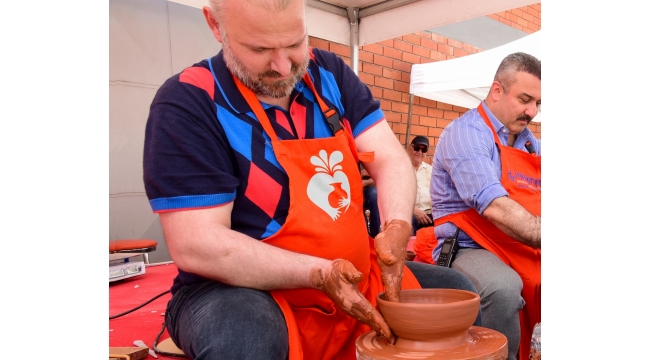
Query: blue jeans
pixel 210 320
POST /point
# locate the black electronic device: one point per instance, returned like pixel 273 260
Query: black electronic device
pixel 448 251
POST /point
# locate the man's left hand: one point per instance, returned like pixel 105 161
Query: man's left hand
pixel 390 245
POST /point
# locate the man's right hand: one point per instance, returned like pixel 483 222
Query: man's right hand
pixel 340 285
pixel 421 216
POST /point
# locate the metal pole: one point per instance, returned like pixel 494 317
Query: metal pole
pixel 408 122
pixel 353 16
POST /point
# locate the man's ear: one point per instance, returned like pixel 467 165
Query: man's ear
pixel 212 23
pixel 496 91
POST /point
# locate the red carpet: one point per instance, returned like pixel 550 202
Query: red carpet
pixel 145 323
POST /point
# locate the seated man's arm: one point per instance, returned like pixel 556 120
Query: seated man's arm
pixel 201 242
pixel 515 221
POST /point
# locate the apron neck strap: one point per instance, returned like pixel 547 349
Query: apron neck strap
pixel 488 122
pixel 332 116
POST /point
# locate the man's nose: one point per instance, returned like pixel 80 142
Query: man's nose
pixel 280 62
pixel 531 110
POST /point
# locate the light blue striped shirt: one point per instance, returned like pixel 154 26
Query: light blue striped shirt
pixel 467 170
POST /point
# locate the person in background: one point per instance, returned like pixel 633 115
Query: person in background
pixel 370 202
pixel 422 209
pixel 486 188
pixel 251 162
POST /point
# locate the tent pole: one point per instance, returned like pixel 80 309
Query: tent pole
pixel 353 16
pixel 408 121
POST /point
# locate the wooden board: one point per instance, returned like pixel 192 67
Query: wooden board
pixel 135 353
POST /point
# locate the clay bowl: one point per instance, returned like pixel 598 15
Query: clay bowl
pixel 427 316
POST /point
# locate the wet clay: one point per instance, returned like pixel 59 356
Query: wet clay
pixel 390 246
pixel 433 323
pixel 340 285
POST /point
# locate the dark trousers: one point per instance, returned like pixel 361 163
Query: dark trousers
pixel 210 320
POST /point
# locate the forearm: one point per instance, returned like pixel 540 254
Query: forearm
pixel 392 172
pixel 514 220
pixel 212 250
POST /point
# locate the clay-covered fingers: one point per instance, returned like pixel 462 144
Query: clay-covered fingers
pixel 390 246
pixel 340 285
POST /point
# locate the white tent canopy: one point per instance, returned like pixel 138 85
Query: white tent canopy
pixel 360 22
pixel 466 81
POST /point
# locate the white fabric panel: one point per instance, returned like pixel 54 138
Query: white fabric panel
pixel 447 81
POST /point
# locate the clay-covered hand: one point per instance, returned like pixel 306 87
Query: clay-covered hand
pixel 340 285
pixel 390 245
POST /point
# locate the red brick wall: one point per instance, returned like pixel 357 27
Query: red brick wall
pixel 386 66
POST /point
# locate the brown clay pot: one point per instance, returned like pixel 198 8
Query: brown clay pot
pixel 430 318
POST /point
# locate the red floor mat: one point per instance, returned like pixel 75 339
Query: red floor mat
pixel 145 323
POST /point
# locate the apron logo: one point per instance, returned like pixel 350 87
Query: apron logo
pixel 329 188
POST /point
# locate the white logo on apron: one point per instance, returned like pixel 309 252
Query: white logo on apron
pixel 329 188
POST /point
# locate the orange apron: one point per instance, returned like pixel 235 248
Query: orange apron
pixel 326 220
pixel 520 175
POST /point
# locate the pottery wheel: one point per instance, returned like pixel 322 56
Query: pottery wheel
pixel 483 344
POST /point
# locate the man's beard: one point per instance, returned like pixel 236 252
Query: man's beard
pixel 277 89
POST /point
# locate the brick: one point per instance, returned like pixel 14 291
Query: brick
pixel 420 110
pixel 510 16
pixel 517 26
pixel 415 119
pixel 367 79
pixel 418 130
pixel 517 12
pixel 423 34
pixel 430 44
pixel 400 107
pixel 460 53
pixel 442 123
pixel 522 22
pixel 438 38
pixel 366 56
pixel 392 95
pixel 373 48
pixel 386 105
pixel 535 28
pixel 459 109
pixel 383 61
pixel 451 115
pixel 426 102
pixel 412 38
pixel 437 113
pixel 505 21
pixel 528 17
pixel 528 30
pixel 444 106
pixel 319 43
pixel 401 65
pixel 454 43
pixel 422 51
pixel 377 93
pixel 341 50
pixel 537 21
pixel 404 46
pixel 346 60
pixel 383 82
pixel 405 95
pixel 446 49
pixel 406 77
pixel 393 53
pixel 388 43
pixel 438 56
pixel 391 74
pixel 402 86
pixel 399 129
pixel 435 132
pixel 371 69
pixel 534 12
pixel 427 121
pixel 537 6
pixel 413 59
pixel 393 116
